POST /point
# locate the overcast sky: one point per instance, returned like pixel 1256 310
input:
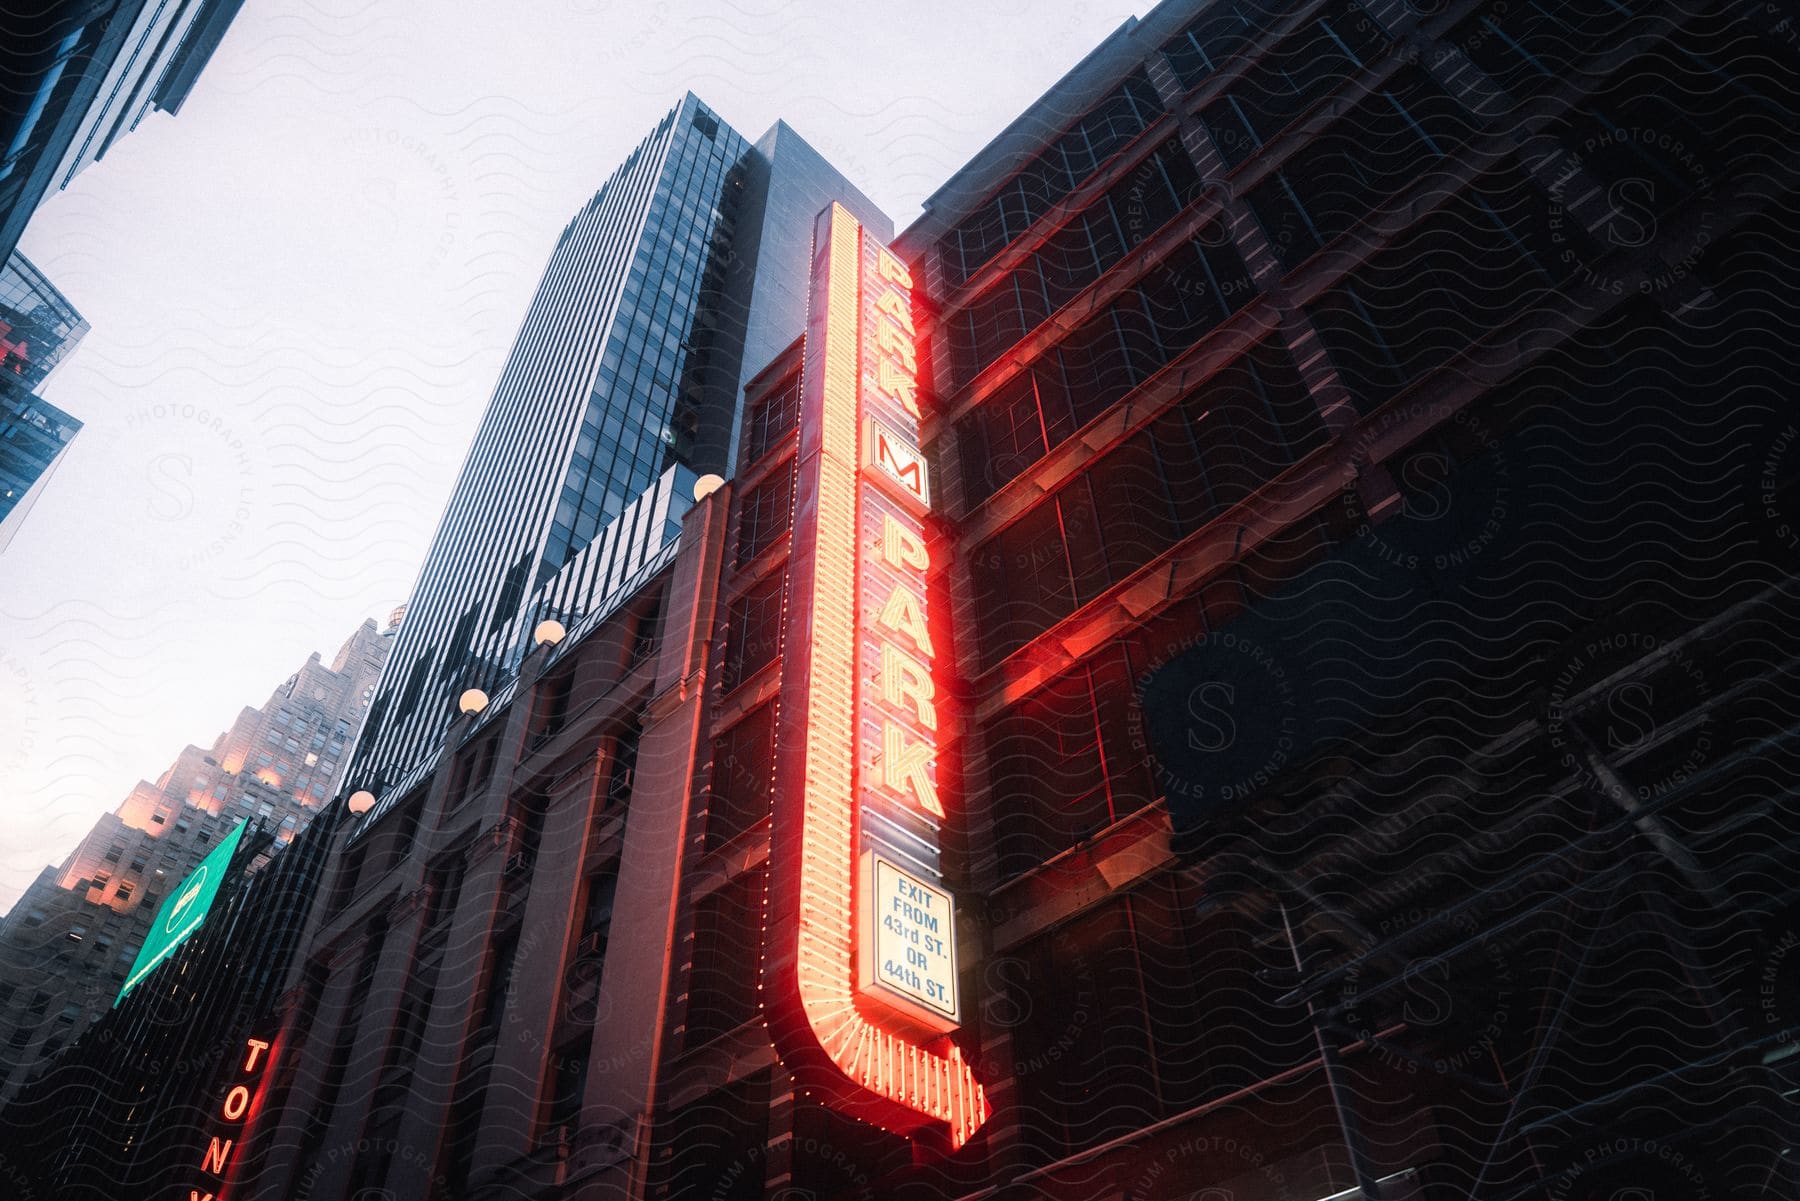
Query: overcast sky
pixel 302 289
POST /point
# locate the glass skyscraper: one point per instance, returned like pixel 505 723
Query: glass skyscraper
pixel 81 76
pixel 38 325
pixel 38 328
pixel 622 384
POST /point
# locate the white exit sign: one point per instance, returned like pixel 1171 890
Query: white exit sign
pixel 907 959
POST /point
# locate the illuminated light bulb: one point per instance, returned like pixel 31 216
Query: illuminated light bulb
pixel 548 631
pixel 706 485
pixel 361 801
pixel 472 701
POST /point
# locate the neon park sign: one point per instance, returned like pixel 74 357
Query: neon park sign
pixel 860 978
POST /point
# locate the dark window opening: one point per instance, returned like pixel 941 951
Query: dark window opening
pixel 1147 326
pixel 566 1085
pixel 1093 241
pixel 623 768
pixel 1301 70
pixel 1049 177
pixel 772 417
pixel 753 630
pixel 727 944
pixel 742 777
pixel 349 870
pixel 1222 31
pixel 1382 144
pixel 498 983
pixel 474 768
pixel 646 631
pixel 554 695
pixel 1234 432
pixel 764 514
pixel 1424 299
pixel 716 1147
pixel 404 830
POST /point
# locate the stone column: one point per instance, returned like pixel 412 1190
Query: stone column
pixel 322 1025
pixel 442 1054
pixel 612 1150
pixel 368 1054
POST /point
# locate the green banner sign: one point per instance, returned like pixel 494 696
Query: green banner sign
pixel 183 912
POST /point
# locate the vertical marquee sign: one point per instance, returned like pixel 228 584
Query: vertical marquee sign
pixel 860 979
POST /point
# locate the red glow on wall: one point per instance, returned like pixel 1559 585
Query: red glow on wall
pixel 858 723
